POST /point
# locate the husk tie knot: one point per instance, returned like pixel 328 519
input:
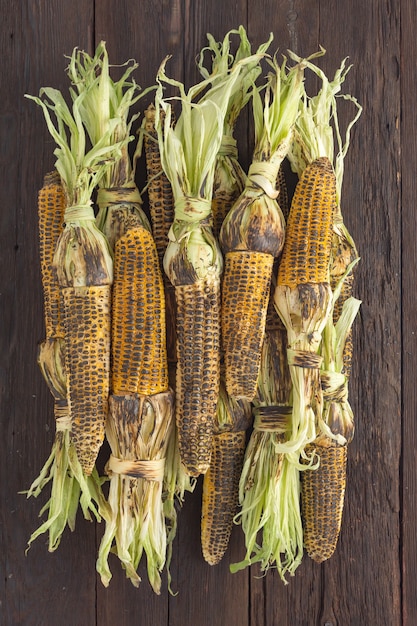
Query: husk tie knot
pixel 147 469
pixel 304 358
pixel 79 213
pixel 272 418
pixel 263 174
pixel 127 194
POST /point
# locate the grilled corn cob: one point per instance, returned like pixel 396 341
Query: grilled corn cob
pixel 138 335
pixel 303 296
pixel 323 489
pixel 69 487
pixel 221 481
pixel 161 199
pixel 323 492
pixel 253 232
pixel 193 260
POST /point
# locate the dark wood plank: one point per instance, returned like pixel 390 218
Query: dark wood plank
pixel 409 312
pixel 40 588
pixel 371 201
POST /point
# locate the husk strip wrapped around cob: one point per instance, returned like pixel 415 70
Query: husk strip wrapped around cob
pixel 69 487
pixel 323 489
pixel 83 265
pixel 193 261
pixel 252 234
pixel 140 421
pixel 221 482
pixel 229 177
pixel 118 197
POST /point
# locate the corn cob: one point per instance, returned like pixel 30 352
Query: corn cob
pixel 198 370
pixel 87 325
pixel 255 225
pixel 140 422
pixel 192 260
pixel 161 199
pixel 221 481
pixel 69 486
pixel 323 489
pixel 220 495
pixel 303 296
pixel 250 272
pixel 51 206
pixel 138 336
pixel 323 492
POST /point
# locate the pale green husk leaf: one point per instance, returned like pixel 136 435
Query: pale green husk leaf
pixel 70 488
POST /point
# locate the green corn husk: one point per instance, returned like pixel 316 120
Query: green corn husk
pixel 70 487
pixel 118 197
pixel 137 521
pixel 270 482
pixel 229 178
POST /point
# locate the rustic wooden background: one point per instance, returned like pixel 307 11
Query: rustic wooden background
pixel 371 578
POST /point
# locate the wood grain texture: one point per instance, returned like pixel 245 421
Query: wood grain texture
pixel 38 36
pixel 408 214
pixel 371 577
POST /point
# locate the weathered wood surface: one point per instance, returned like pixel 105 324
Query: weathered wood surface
pixel 371 578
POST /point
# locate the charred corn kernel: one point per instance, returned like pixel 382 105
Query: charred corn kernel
pixel 87 326
pixel 322 498
pixel 281 186
pixel 306 254
pixel 51 207
pixel 139 359
pixel 221 494
pixel 161 200
pixel 198 370
pixel 242 337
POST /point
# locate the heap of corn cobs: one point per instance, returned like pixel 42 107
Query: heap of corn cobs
pixel 203 325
